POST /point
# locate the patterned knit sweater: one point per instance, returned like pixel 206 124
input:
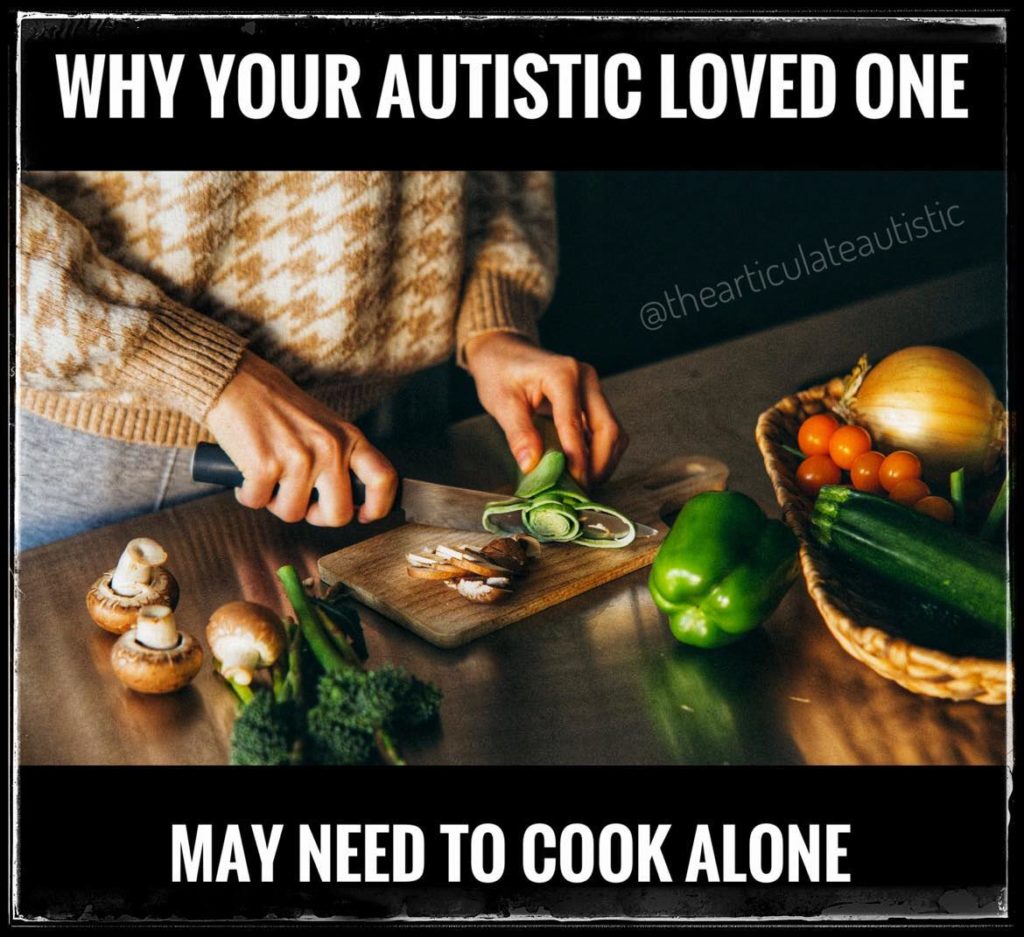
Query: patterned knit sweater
pixel 139 291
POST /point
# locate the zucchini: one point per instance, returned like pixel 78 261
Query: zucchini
pixel 909 614
pixel 939 563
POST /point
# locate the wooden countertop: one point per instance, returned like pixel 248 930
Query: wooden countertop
pixel 596 680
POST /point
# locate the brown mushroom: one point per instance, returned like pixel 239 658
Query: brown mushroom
pixel 508 553
pixel 154 657
pixel 244 637
pixel 138 580
pixel 531 544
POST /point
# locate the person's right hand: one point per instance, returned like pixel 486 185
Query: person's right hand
pixel 278 435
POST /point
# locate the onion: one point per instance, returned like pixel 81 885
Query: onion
pixel 933 402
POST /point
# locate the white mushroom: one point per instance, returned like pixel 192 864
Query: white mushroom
pixel 138 580
pixel 154 657
pixel 135 568
pixel 244 637
pixel 155 628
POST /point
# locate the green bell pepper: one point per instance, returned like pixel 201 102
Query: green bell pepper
pixel 723 569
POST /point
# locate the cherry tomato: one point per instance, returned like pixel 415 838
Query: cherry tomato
pixel 816 471
pixel 936 507
pixel 897 467
pixel 815 432
pixel 847 443
pixel 864 472
pixel 910 491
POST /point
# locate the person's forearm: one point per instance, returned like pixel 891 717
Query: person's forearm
pixel 512 255
pixel 87 323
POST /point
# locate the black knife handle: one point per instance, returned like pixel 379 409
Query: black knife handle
pixel 213 466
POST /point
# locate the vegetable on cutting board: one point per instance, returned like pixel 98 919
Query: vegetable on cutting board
pixel 933 402
pixel 722 570
pixel 915 551
pixel 550 506
pixel 138 580
pixel 484 575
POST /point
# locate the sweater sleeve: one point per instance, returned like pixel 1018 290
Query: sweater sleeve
pixel 86 323
pixel 512 255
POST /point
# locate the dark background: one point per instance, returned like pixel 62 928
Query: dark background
pixel 625 237
pixel 843 140
pixel 97 874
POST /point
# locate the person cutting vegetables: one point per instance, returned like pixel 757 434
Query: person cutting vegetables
pixel 266 311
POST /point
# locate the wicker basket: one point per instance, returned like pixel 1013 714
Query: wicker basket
pixel 918 669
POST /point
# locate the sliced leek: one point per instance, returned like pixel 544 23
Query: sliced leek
pixel 550 506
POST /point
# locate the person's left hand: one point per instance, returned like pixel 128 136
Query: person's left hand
pixel 515 379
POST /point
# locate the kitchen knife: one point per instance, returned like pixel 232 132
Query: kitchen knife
pixel 421 502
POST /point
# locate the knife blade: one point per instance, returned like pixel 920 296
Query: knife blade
pixel 421 502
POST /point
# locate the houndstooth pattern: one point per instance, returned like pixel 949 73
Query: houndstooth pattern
pixel 138 291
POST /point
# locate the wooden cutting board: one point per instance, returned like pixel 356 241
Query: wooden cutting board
pixel 374 570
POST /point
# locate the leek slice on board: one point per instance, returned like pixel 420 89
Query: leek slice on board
pixel 550 506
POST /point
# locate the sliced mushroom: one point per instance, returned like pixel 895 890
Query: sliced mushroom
pixel 244 637
pixel 479 574
pixel 480 590
pixel 478 556
pixel 482 567
pixel 421 560
pixel 508 553
pixel 499 582
pixel 138 580
pixel 429 566
pixel 154 657
pixel 438 571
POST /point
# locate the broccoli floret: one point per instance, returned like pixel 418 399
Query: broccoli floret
pixel 341 726
pixel 333 742
pixel 266 732
pixel 412 702
pixel 358 711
